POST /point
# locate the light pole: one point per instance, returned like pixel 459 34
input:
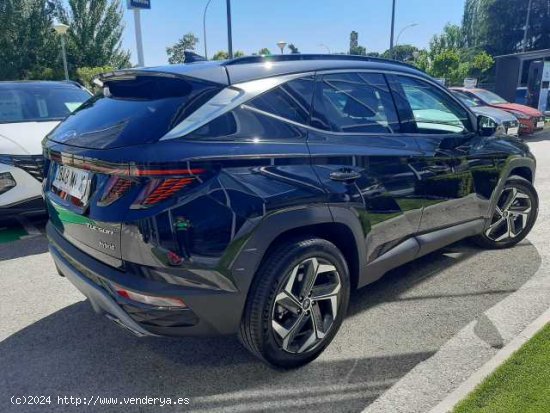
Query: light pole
pixel 204 28
pixel 408 26
pixel 392 25
pixel 326 47
pixel 281 44
pixel 229 35
pixel 61 30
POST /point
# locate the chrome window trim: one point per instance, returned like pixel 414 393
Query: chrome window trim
pixel 226 100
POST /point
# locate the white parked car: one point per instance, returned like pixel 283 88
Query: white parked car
pixel 29 110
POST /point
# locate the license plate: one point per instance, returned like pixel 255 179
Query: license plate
pixel 512 131
pixel 540 124
pixel 74 182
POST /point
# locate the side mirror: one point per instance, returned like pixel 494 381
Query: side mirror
pixel 486 126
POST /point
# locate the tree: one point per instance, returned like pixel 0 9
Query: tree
pixel 293 49
pixel 221 55
pixel 354 47
pixel 497 26
pixel 28 45
pixel 239 53
pixel 264 52
pixel 445 63
pixel 402 53
pixel 85 75
pixel 175 53
pixel 95 33
pixel 452 38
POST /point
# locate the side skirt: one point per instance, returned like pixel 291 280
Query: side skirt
pixel 417 247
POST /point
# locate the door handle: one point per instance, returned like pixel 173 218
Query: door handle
pixel 345 175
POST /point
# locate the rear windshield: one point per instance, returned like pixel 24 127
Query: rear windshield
pixel 134 111
pixel 34 103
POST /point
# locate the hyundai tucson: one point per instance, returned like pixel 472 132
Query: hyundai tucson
pixel 251 196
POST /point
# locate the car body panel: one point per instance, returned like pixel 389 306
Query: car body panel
pixel 24 138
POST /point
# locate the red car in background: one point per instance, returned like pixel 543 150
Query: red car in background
pixel 530 120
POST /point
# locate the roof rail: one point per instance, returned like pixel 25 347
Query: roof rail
pixel 298 56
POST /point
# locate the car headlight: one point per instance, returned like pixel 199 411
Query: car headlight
pixel 6 182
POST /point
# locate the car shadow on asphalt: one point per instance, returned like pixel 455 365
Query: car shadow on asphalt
pixel 32 245
pixel 75 352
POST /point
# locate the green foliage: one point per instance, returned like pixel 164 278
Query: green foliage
pixel 85 75
pixel 221 55
pixel 444 63
pixel 239 53
pixel 422 60
pixel 497 25
pixel 264 52
pixel 451 38
pixel 176 52
pixel 402 53
pixel 354 47
pixel 95 33
pixel 518 385
pixel 28 45
pixel 293 49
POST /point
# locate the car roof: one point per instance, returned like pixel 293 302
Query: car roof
pixel 244 69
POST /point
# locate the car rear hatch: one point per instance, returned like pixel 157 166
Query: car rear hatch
pixel 97 173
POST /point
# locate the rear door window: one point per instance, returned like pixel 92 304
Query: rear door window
pixel 291 100
pixel 354 103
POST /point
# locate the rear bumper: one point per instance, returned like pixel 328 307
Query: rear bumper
pixel 209 312
pixel 101 302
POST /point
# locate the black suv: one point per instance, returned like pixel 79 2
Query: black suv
pixel 251 196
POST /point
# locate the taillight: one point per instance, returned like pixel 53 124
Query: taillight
pixel 116 187
pixel 158 190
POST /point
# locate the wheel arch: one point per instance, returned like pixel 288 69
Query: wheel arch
pixel 315 221
pixel 521 166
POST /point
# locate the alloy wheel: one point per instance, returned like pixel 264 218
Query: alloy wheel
pixel 306 305
pixel 511 215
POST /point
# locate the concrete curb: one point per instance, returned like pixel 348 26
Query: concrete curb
pixel 448 404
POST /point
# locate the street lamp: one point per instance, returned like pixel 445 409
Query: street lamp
pixel 204 28
pixel 408 26
pixel 281 44
pixel 61 30
pixel 326 47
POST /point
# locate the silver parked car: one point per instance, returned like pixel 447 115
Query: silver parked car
pixel 506 123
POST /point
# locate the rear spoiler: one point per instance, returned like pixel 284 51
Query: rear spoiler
pixel 207 71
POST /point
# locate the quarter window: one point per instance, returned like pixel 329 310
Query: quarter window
pixel 291 100
pixel 433 110
pixel 355 103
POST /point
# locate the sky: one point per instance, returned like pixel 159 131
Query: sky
pixel 308 24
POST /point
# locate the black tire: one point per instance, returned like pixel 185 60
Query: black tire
pixel 273 277
pixel 489 240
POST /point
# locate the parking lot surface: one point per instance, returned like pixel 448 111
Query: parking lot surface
pixel 52 343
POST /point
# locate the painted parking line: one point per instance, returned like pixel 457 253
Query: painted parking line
pixel 10 234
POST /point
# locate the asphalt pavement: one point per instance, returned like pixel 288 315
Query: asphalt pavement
pixel 52 343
